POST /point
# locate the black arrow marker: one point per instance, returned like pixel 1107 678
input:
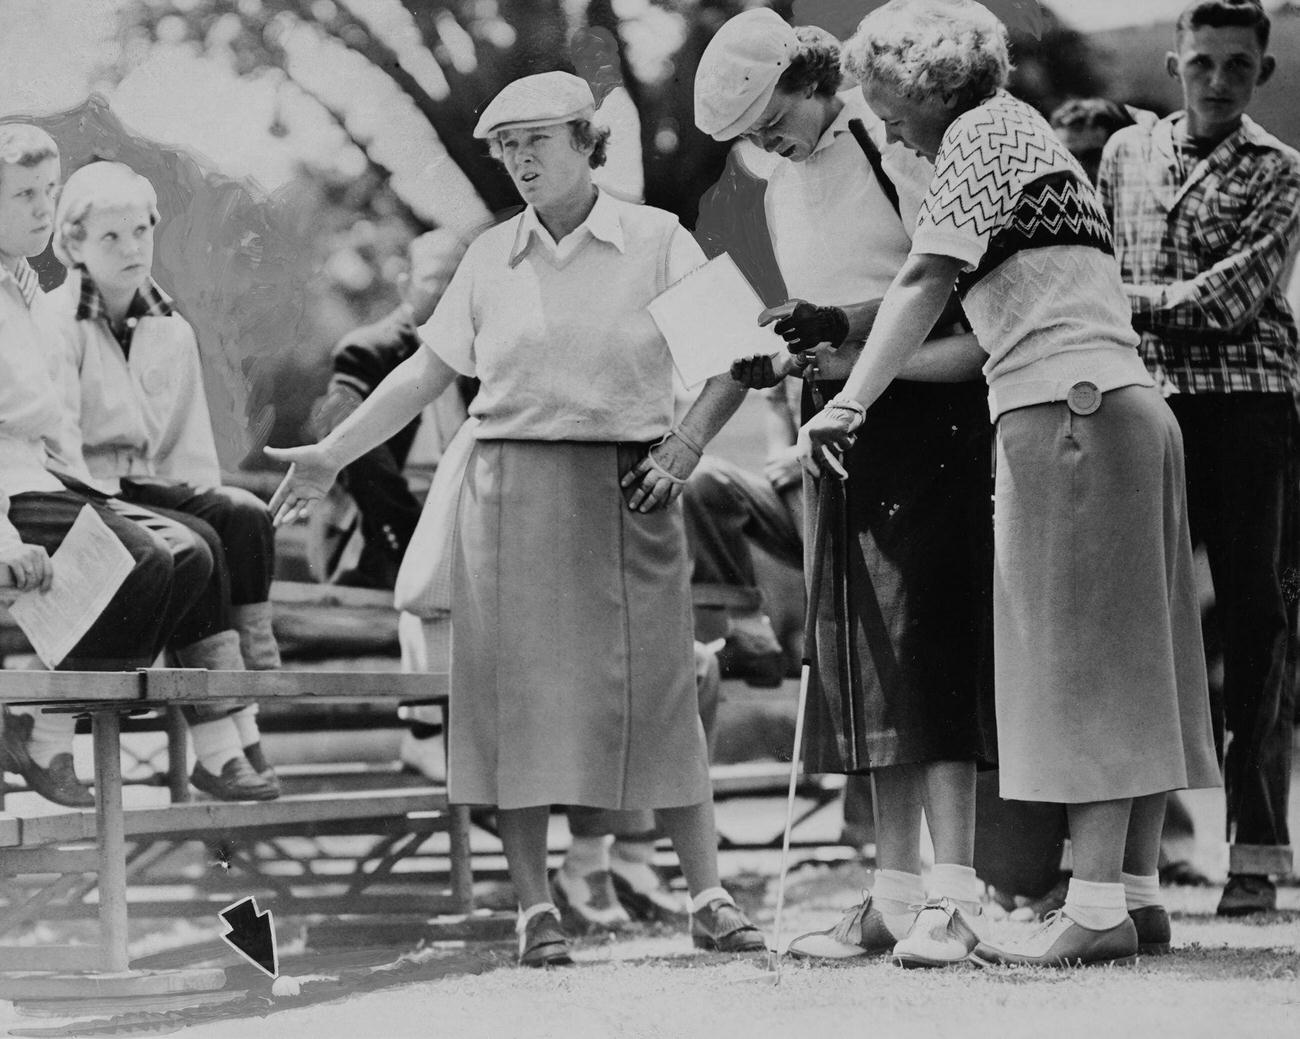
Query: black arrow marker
pixel 252 935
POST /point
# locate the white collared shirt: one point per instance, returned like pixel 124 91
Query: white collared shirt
pixel 836 236
pixel 558 333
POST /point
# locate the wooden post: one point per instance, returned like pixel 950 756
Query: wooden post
pixel 111 831
pixel 178 734
pixel 459 867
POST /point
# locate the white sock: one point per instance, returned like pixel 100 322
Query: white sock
pixel 586 855
pixel 1095 906
pixel 894 893
pixel 51 735
pixel 1141 891
pixel 535 910
pixel 215 743
pixel 959 883
pixel 245 720
pixel 708 895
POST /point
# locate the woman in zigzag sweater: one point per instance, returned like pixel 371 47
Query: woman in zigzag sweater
pixel 1102 701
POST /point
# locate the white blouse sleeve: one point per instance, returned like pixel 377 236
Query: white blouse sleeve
pixel 186 449
pixel 450 331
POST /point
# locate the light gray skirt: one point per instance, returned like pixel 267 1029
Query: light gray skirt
pixel 572 676
pixel 1100 672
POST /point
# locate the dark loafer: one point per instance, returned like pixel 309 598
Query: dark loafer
pixel 237 782
pixel 1152 923
pixel 721 927
pixel 1246 894
pixel 55 782
pixel 544 943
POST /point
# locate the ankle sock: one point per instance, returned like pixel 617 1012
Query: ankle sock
pixel 635 861
pixel 215 743
pixel 1140 892
pixel 959 883
pixel 51 734
pixel 1095 906
pixel 708 895
pixel 586 855
pixel 534 910
pixel 894 893
pixel 245 720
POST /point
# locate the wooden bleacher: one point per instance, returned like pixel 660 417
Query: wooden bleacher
pixel 61 862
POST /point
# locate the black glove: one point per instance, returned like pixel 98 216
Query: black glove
pixel 808 326
pixel 755 372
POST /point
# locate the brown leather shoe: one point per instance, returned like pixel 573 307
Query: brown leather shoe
pixel 1152 925
pixel 721 927
pixel 860 932
pixel 55 782
pixel 1060 942
pixel 253 752
pixel 1246 894
pixel 543 942
pixel 237 782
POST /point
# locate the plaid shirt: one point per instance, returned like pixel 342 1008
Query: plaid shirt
pixel 150 301
pixel 1202 255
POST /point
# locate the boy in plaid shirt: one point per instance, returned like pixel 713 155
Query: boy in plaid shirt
pixel 1205 206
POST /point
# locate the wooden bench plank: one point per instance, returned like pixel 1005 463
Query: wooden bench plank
pixel 287 812
pixel 10 831
pixel 28 687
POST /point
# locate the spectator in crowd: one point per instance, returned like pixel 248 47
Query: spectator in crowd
pixel 362 359
pixel 134 395
pixel 44 487
pixel 1102 702
pixel 1205 207
pixel 571 678
pixel 910 554
pixel 389 510
pixel 1085 124
pixel 608 878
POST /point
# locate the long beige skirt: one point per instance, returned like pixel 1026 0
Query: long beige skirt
pixel 1100 672
pixel 572 675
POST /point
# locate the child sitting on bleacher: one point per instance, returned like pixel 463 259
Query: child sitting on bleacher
pixel 134 392
pixel 42 493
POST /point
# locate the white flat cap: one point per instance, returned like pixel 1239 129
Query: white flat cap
pixel 544 99
pixel 739 69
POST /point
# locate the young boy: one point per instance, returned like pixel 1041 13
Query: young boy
pixel 134 392
pixel 1204 207
pixel 36 508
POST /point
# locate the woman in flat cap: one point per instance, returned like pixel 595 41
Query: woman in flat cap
pixel 1102 702
pixel 904 676
pixel 572 670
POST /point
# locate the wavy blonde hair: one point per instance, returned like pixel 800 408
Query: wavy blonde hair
pixel 927 48
pixel 104 184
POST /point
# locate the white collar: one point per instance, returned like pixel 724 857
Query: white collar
pixel 854 107
pixel 603 223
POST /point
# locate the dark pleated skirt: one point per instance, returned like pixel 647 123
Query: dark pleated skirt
pixel 903 651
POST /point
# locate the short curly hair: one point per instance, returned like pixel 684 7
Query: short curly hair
pixel 931 48
pixel 102 184
pixel 584 133
pixel 815 64
pixel 1215 14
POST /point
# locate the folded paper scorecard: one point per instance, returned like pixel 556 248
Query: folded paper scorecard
pixel 89 567
pixel 709 319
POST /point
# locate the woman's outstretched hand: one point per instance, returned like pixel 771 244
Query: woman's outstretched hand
pixel 311 474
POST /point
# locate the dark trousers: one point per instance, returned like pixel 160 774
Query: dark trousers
pixel 233 522
pixel 726 509
pixel 1242 499
pixel 139 620
pixel 389 511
